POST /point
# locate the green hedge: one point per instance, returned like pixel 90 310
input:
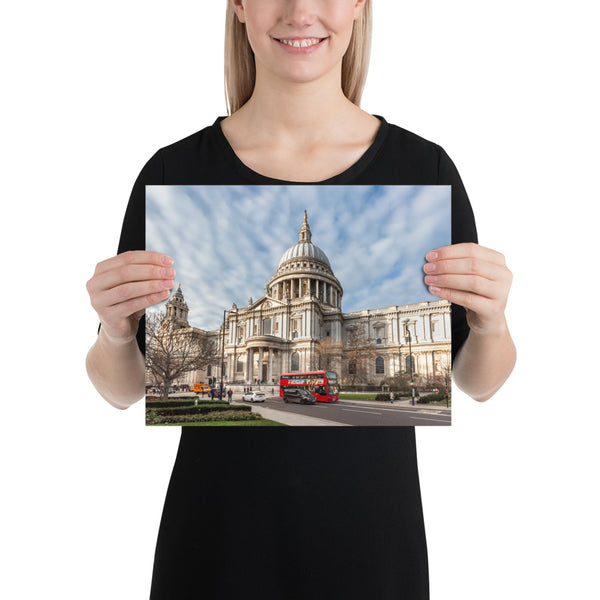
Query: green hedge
pixel 433 398
pixel 184 403
pixel 170 404
pixel 198 410
pixel 158 418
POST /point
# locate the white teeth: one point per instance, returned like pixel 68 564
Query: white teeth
pixel 301 44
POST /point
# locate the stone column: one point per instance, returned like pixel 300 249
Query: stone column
pixel 250 365
pixel 270 370
pixel 260 363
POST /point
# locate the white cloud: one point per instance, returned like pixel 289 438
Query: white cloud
pixel 227 240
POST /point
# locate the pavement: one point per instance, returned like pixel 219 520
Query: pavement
pixel 290 418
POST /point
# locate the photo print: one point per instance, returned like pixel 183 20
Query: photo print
pixel 298 305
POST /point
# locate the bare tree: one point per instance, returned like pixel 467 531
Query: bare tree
pixel 172 351
pixel 400 381
pixel 443 373
pixel 328 352
pixel 359 353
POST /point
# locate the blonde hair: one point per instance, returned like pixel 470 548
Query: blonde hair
pixel 240 70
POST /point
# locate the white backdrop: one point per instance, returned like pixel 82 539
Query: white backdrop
pixel 91 90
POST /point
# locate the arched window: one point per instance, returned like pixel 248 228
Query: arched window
pixel 209 370
pixel 295 361
pixel 407 363
pixel 240 366
pixel 379 366
pixel 378 341
pixel 352 367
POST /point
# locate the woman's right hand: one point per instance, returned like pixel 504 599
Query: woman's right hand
pixel 123 286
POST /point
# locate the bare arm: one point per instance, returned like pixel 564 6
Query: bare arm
pixel 120 290
pixel 477 279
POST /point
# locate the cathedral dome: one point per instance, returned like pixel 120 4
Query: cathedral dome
pixel 305 248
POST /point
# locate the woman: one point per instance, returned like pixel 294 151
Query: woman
pixel 325 511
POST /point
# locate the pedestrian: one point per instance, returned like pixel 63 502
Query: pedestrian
pixel 295 71
pixel 392 397
pixel 229 395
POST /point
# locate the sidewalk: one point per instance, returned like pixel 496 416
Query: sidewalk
pixel 290 418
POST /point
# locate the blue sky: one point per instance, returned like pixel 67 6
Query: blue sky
pixel 227 241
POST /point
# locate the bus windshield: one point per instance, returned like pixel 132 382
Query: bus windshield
pixel 332 382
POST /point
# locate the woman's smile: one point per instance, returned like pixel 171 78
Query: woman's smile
pixel 300 45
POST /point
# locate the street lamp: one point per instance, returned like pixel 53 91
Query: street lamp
pixel 410 360
pixel 223 352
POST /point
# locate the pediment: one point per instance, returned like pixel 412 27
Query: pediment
pixel 266 302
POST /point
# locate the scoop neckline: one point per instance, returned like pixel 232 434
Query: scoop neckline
pixel 351 172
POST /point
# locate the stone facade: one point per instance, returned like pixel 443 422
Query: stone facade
pixel 301 308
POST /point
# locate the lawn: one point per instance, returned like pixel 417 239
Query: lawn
pixel 257 423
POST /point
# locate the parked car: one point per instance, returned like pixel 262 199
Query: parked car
pixel 298 395
pixel 254 397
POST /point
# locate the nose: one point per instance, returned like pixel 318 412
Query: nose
pixel 299 13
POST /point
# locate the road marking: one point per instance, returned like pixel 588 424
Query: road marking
pixel 405 410
pixel 426 419
pixel 370 412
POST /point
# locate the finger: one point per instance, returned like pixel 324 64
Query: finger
pixel 474 302
pixel 122 294
pixel 133 307
pixel 134 257
pixel 467 266
pixel 127 273
pixel 467 250
pixel 466 283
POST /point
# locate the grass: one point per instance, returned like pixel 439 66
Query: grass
pixel 257 423
pixel 357 396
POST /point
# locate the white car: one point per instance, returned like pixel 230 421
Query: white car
pixel 254 397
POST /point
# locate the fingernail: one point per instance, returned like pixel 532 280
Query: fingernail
pixel 168 283
pixel 430 267
pixel 431 256
pixel 431 278
pixel 434 290
pixel 168 273
pixel 167 260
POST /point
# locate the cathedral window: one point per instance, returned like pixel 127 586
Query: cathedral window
pixel 378 341
pixel 266 326
pixel 352 367
pixel 240 366
pixel 407 363
pixel 295 361
pixel 379 366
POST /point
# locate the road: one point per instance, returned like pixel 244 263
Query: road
pixel 357 413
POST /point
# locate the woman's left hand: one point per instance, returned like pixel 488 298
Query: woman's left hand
pixel 473 277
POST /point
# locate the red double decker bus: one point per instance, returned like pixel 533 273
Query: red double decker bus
pixel 323 385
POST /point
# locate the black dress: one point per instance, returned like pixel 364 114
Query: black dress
pixel 308 512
